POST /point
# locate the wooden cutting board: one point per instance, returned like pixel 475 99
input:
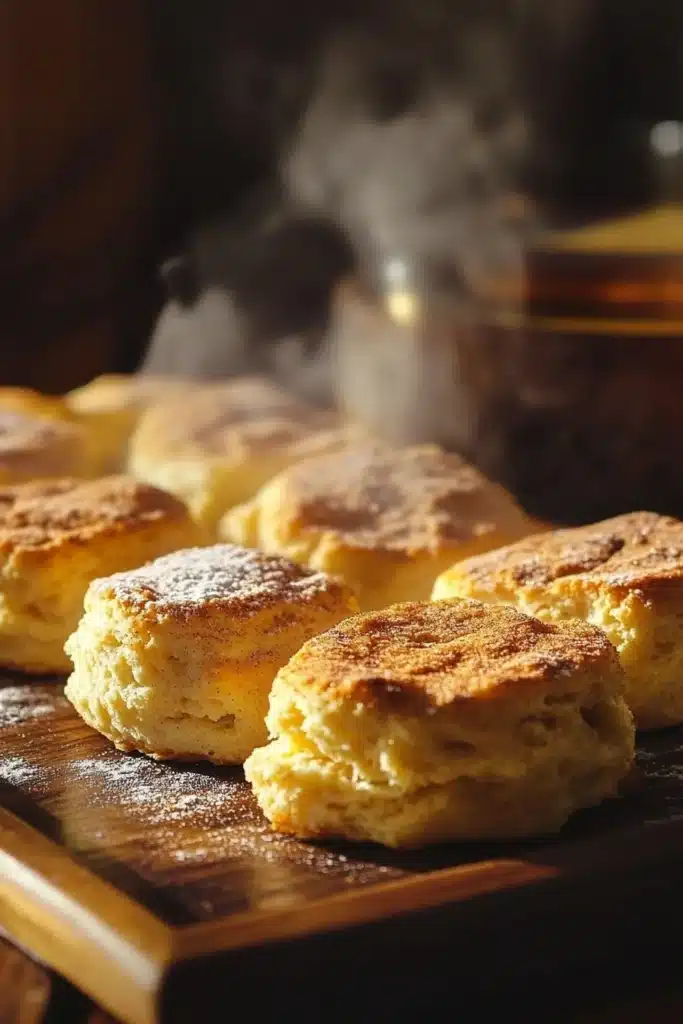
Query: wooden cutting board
pixel 155 888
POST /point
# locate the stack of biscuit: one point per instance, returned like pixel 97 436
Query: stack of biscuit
pixel 383 638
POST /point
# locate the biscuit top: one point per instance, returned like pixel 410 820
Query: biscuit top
pixel 445 652
pixel 41 447
pixel 33 403
pixel 238 581
pixel 22 430
pixel 113 392
pixel 632 551
pixel 53 512
pixel 243 415
pixel 401 499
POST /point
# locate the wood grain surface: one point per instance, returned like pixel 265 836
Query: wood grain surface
pixel 145 884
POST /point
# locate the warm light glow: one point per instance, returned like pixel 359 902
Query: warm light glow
pixel 403 307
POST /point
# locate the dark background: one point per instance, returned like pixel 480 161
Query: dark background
pixel 129 125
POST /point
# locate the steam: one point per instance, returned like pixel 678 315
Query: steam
pixel 412 137
pixel 428 183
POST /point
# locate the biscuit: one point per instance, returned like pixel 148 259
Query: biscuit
pixel 177 659
pixel 39 437
pixel 34 404
pixel 110 406
pixel 388 520
pixel 34 448
pixel 448 721
pixel 222 443
pixel 624 575
pixel 57 536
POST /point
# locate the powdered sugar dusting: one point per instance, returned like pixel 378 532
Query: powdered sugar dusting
pixel 199 816
pixel 161 793
pixel 223 572
pixel 20 704
pixel 18 771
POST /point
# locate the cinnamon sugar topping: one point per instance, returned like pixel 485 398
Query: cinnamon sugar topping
pixel 447 651
pixel 41 445
pixel 410 499
pixel 633 550
pixel 46 512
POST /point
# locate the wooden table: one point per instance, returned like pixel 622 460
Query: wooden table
pixel 569 943
pixel 31 994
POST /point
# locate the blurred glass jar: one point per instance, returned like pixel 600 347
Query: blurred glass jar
pixel 397 365
pixel 558 369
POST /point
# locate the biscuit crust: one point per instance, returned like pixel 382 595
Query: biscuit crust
pixel 639 550
pixel 34 404
pixel 219 419
pixel 33 447
pixel 113 392
pixel 224 580
pixel 47 515
pixel 624 575
pixel 448 652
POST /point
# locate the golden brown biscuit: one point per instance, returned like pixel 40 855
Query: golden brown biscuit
pixel 446 721
pixel 222 443
pixel 33 403
pixel 39 438
pixel 57 536
pixel 176 659
pixel 110 406
pixel 33 448
pixel 388 520
pixel 624 575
